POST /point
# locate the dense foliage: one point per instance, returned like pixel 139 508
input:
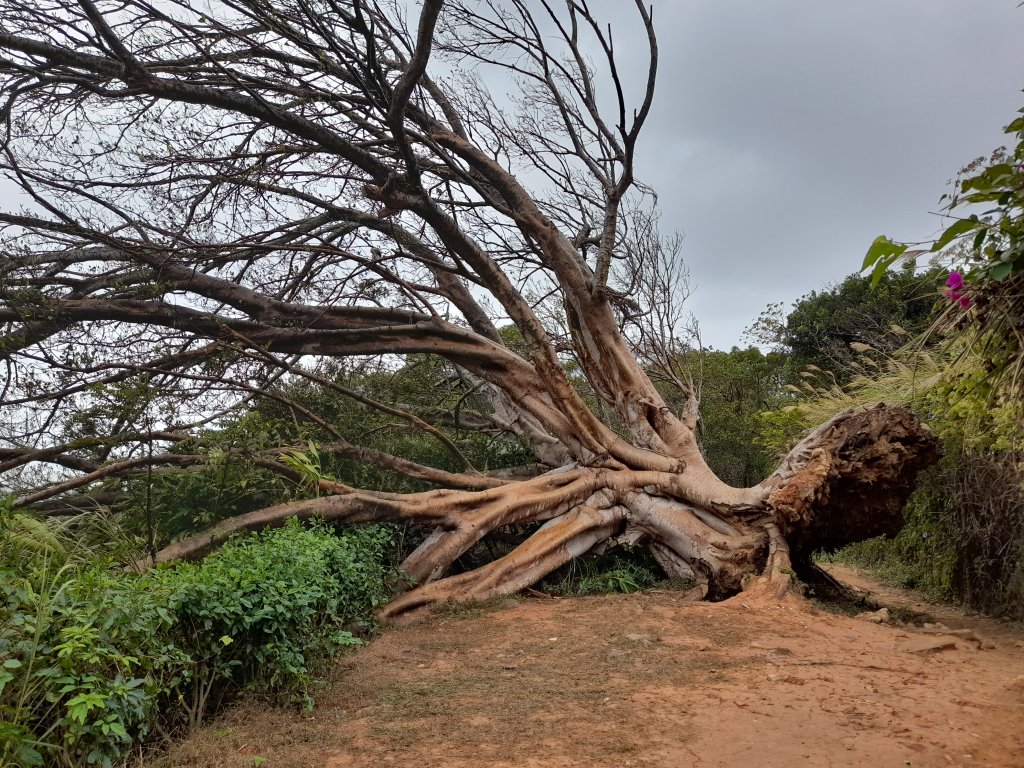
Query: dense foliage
pixel 736 388
pixel 95 662
pixel 824 327
pixel 964 534
pixel 964 537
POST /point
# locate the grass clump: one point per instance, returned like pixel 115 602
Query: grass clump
pixel 623 571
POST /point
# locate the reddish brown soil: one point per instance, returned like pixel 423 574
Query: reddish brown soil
pixel 642 680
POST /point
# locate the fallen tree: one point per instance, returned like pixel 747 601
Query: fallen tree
pixel 220 199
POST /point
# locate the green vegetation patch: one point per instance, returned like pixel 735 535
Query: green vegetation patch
pixel 95 661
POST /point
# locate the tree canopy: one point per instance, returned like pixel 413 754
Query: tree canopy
pixel 824 327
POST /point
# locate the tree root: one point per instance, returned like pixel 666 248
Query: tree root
pixel 845 481
pixel 554 544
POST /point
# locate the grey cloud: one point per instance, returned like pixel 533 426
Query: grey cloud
pixel 789 133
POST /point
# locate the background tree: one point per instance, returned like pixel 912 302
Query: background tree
pixel 736 388
pixel 226 199
pixel 824 327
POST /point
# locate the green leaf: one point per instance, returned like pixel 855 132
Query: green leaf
pixel 883 248
pixel 955 230
pixel 1001 270
pixel 880 267
pixel 79 706
pixel 979 239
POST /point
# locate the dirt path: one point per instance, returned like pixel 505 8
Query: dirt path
pixel 951 616
pixel 643 680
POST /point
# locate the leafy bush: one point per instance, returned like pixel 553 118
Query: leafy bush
pixel 265 608
pixel 94 661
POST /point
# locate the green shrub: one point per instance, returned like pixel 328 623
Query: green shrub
pixel 95 661
pixel 263 610
pixel 92 659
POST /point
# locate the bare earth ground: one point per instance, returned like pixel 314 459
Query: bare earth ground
pixel 646 680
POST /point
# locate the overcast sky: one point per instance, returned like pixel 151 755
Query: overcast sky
pixel 788 134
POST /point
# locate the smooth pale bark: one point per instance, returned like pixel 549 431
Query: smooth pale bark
pixel 846 481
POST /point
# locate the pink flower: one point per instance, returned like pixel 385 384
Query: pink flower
pixel 955 292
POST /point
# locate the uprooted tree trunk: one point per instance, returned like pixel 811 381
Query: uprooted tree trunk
pixel 846 481
pixel 257 190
